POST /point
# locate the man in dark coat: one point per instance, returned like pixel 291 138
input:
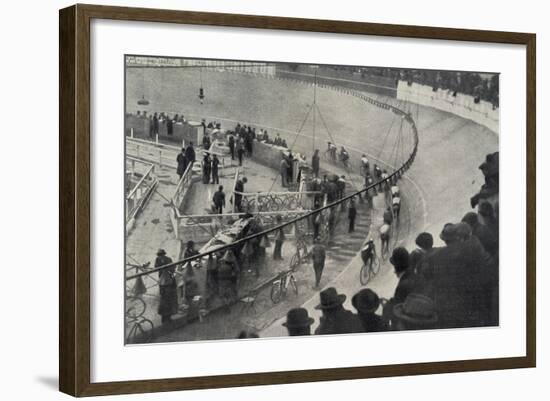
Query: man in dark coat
pixel 182 163
pixel 155 124
pixel 190 153
pixel 240 153
pixel 425 243
pixel 206 168
pixel 456 273
pixel 315 161
pixel 352 214
pixel 215 170
pixel 318 254
pixel 336 319
pixel 239 187
pixel 407 280
pixel 298 322
pixel 168 304
pixel 169 126
pixel 366 302
pixel 482 232
pixel 283 169
pixel 231 144
pixel 219 200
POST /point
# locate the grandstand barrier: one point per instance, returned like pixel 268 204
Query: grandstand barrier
pixel 465 106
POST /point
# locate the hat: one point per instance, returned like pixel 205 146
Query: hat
pixel 448 233
pixel 161 252
pixel 425 240
pixel 190 244
pixel 471 219
pixel 400 258
pixel 366 301
pixel 417 309
pixel 330 299
pixel 298 317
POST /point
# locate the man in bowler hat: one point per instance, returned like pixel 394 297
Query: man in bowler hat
pixel 298 322
pixel 366 302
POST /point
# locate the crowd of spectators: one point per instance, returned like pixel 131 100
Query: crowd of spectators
pixel 450 286
pixel 482 86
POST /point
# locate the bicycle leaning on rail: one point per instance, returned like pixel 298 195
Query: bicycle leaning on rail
pixel 279 288
pixel 371 262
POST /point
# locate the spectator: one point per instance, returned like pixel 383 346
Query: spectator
pixel 231 144
pixel 417 312
pixel 298 322
pixel 487 214
pixel 315 161
pixel 284 172
pixel 215 170
pixel 336 319
pixel 240 152
pixel 239 189
pixel 366 302
pixel 190 250
pixel 155 124
pixel 247 334
pixel 169 126
pixel 407 280
pixel 352 214
pixel 182 163
pixel 454 273
pixel 219 200
pixel 279 240
pixel 168 304
pixel 190 153
pixel 424 242
pixel 482 232
pixel 318 254
pixel 206 168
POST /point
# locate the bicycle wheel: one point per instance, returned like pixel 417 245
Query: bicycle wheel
pixel 293 285
pixel 276 292
pixel 364 274
pixel 375 266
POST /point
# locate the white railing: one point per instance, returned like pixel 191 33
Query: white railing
pixel 140 192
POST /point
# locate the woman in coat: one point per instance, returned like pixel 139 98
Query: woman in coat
pixel 168 304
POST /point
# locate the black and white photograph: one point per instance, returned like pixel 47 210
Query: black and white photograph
pixel 272 199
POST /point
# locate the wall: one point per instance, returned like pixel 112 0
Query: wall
pixel 461 105
pixel 29 335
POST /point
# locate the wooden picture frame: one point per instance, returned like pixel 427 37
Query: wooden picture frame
pixel 74 199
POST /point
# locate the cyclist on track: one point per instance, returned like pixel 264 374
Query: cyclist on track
pixel 344 155
pixel 367 252
pixel 331 150
pixel 396 206
pixel 365 168
pixel 385 238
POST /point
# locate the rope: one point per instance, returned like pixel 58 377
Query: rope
pixel 293 143
pixel 333 141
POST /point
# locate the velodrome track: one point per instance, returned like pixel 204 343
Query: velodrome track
pixel 436 189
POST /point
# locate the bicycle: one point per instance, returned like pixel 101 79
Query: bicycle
pixel 140 326
pixel 279 288
pixel 370 268
pixel 301 256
